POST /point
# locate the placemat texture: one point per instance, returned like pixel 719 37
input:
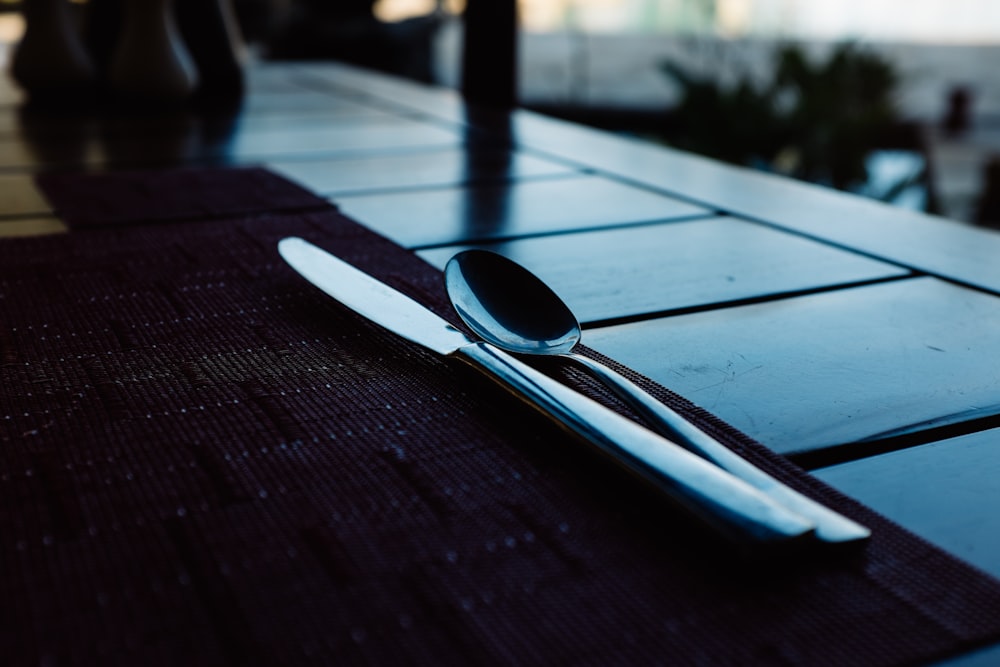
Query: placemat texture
pixel 205 461
pixel 175 194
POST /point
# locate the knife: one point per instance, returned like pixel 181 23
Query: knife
pixel 731 507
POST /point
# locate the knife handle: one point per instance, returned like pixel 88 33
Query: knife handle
pixel 730 506
pixel 830 525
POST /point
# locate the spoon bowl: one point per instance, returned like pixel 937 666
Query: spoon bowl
pixel 508 306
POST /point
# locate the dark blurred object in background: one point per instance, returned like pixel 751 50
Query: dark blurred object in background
pixel 958 117
pixel 50 61
pixel 134 52
pixel 489 53
pixel 988 206
pixel 254 19
pixel 151 63
pixel 348 30
pixel 817 120
pixel 212 35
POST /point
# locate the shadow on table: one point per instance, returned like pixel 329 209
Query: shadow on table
pixel 98 135
pixel 489 145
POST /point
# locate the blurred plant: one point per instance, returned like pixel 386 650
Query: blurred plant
pixel 817 121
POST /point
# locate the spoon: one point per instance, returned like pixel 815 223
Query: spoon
pixel 507 305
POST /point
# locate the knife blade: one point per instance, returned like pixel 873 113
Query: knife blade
pixel 721 501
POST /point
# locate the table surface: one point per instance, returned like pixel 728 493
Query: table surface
pixel 853 337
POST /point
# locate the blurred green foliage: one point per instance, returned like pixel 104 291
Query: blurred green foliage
pixel 813 120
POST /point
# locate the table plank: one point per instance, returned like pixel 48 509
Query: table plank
pixel 48 126
pixel 455 215
pixel 376 134
pixel 639 271
pixel 442 167
pixel 294 98
pixel 945 491
pixel 189 139
pixel 934 245
pixel 814 372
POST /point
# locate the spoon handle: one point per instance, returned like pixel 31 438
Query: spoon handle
pixel 830 525
pixel 734 508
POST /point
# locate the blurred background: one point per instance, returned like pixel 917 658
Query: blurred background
pixel 898 101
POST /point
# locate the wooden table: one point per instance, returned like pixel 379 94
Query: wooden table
pixel 857 339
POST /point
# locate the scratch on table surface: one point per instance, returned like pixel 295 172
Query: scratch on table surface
pixel 729 374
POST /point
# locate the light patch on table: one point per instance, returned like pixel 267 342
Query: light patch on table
pixel 32 227
pixel 19 196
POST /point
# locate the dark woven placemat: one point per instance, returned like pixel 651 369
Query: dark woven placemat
pixel 112 198
pixel 205 461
